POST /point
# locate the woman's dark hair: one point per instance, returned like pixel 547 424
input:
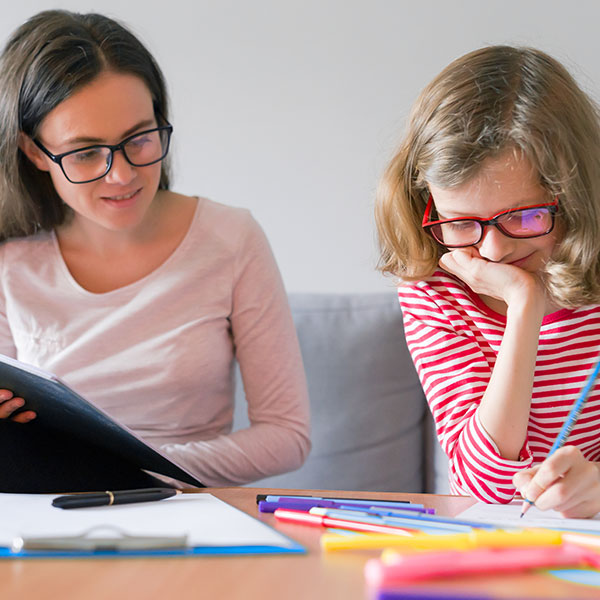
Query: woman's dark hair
pixel 46 60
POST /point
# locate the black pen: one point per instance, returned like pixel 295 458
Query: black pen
pixel 89 499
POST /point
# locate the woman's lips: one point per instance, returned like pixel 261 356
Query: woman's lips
pixel 122 200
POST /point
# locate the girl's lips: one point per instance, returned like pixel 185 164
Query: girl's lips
pixel 520 261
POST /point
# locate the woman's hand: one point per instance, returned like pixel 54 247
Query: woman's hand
pixel 9 404
pixel 504 282
pixel 565 482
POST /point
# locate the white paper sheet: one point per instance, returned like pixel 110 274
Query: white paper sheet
pixel 508 515
pixel 203 518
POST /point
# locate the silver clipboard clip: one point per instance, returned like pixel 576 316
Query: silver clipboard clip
pixel 113 540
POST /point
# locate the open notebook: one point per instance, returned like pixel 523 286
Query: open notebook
pixel 63 416
pixel 188 524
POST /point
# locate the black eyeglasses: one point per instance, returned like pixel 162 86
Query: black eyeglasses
pixel 523 222
pixel 94 162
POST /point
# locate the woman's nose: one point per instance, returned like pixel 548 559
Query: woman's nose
pixel 121 171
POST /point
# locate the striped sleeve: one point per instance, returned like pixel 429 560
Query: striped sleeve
pixel 454 365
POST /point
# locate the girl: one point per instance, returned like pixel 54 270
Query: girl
pixel 138 297
pixel 497 182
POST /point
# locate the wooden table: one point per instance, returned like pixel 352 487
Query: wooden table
pixel 315 575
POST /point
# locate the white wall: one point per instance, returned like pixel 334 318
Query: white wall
pixel 292 107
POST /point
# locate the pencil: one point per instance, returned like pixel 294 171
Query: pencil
pixel 565 430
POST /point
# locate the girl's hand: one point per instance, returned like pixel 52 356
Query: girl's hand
pixel 565 482
pixel 9 404
pixel 498 280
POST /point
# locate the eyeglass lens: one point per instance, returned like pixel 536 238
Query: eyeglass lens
pixel 94 162
pixel 525 223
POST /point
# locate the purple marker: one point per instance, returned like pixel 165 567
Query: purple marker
pixel 434 594
pixel 308 503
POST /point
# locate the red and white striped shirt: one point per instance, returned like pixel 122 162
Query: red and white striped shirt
pixel 454 339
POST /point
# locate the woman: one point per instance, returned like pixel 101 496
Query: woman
pixel 138 297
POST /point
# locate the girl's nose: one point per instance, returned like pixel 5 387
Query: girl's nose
pixel 495 246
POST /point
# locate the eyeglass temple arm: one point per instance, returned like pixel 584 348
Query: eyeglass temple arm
pixel 427 211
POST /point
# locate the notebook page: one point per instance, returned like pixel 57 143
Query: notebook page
pixel 508 515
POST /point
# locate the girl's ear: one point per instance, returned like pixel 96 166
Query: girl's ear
pixel 32 152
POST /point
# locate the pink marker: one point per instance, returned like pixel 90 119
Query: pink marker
pixel 304 518
pixel 428 565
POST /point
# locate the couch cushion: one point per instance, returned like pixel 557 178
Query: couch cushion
pixel 367 407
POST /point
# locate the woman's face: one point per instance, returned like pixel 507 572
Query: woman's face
pixel 107 110
pixel 505 182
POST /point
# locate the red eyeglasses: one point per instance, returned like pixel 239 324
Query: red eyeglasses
pixel 523 222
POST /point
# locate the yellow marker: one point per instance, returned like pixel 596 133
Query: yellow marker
pixel 419 541
pixel 478 538
pixel 499 538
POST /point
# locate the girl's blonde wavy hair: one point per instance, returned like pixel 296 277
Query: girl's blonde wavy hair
pixel 491 100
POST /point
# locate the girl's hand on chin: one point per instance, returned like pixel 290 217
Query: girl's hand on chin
pixel 498 280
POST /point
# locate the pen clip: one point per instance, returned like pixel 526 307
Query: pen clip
pixel 90 541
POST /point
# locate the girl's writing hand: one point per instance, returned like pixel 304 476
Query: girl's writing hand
pixel 9 404
pixel 497 280
pixel 565 482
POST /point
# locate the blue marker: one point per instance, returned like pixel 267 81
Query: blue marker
pixel 424 525
pixel 416 517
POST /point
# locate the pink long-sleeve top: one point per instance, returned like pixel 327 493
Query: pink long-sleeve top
pixel 454 339
pixel 158 354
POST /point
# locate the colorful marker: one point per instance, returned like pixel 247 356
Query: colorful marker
pixel 477 538
pixel 420 524
pixel 402 513
pixel 363 501
pixel 307 503
pixel 420 566
pixel 305 518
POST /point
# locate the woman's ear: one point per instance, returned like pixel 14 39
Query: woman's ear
pixel 32 152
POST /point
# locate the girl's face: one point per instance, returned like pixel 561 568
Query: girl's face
pixel 107 110
pixel 505 182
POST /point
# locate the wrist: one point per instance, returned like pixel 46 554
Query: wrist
pixel 528 299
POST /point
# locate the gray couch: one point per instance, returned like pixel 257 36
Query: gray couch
pixel 371 428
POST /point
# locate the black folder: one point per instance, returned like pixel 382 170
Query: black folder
pixel 72 445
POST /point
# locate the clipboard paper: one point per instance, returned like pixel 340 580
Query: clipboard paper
pixel 185 525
